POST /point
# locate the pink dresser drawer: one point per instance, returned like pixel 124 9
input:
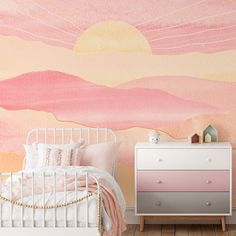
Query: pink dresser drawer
pixel 183 181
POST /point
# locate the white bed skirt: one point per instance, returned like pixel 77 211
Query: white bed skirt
pixel 49 231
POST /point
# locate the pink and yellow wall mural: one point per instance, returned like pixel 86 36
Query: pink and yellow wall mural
pixel 127 65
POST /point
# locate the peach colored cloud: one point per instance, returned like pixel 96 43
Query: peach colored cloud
pixel 16 124
pixel 19 56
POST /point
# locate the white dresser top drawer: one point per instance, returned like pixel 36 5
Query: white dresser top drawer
pixel 172 144
pixel 183 158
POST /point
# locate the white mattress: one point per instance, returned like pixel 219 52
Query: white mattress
pixel 60 212
pixel 39 224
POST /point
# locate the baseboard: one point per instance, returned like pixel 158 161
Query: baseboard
pixel 131 218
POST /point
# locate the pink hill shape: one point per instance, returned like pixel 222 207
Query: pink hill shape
pixel 214 93
pixel 74 99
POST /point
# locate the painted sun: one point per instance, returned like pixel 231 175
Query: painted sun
pixel 112 36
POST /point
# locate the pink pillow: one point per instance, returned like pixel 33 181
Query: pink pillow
pixel 100 155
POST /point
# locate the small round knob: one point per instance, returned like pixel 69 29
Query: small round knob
pixel 209 159
pixel 159 159
pixel 208 204
pixel 208 182
pixel 157 203
pixel 159 181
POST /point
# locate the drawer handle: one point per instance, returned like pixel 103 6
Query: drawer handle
pixel 159 159
pixel 159 181
pixel 209 159
pixel 208 182
pixel 157 203
pixel 208 204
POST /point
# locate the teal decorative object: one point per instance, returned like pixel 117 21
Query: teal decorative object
pixel 210 134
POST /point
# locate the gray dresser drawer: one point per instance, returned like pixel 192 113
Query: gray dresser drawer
pixel 183 202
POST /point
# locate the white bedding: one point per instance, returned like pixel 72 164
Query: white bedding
pixel 70 210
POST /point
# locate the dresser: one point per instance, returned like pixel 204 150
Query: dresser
pixel 184 181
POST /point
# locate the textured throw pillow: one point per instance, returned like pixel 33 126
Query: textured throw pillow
pixel 59 157
pixel 100 155
pixel 58 154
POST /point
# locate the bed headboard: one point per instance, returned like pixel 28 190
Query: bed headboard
pixel 65 135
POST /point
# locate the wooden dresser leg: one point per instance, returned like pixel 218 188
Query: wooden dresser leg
pixel 142 222
pixel 222 219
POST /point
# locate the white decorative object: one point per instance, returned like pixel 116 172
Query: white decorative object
pixel 207 138
pixel 153 136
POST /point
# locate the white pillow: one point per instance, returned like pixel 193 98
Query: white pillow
pixel 31 156
pixel 59 157
pixel 72 144
pixel 50 151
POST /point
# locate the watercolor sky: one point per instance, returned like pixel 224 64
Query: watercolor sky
pixel 113 43
pixel 187 25
pixel 193 38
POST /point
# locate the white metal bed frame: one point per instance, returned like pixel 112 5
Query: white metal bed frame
pixel 53 135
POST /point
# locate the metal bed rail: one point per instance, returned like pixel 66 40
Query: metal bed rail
pixel 8 178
